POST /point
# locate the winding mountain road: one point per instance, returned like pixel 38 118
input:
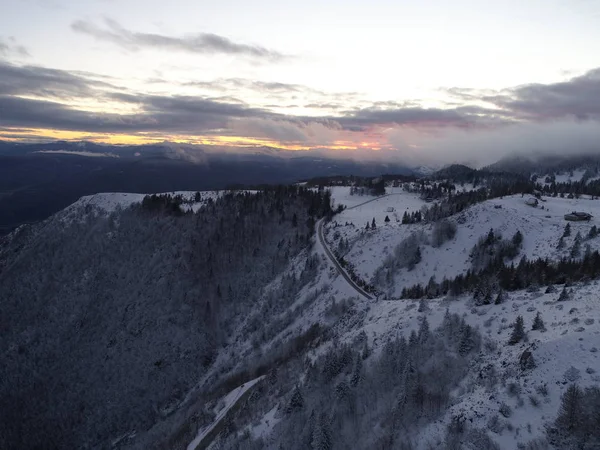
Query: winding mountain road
pixel 334 260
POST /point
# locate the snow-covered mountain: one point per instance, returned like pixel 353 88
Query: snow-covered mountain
pixel 317 348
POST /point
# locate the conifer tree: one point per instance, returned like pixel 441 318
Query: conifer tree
pixel 467 340
pixel 570 412
pixel 567 231
pixel 499 298
pixel 518 332
pixel 564 295
pixel 387 219
pixel 322 439
pixel 538 323
pixel 296 401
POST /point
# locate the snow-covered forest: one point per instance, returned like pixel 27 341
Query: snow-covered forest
pixel 107 322
pixel 220 320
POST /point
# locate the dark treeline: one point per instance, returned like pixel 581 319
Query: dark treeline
pixel 498 275
pixel 107 322
pixel 456 202
pixel 572 189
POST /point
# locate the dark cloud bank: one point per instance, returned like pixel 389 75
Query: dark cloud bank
pixel 527 117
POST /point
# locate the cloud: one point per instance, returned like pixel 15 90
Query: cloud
pixel 414 116
pixel 481 127
pixel 577 98
pixel 10 48
pixel 45 82
pixel 200 43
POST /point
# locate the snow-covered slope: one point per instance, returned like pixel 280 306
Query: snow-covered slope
pixel 529 397
pixel 542 227
pixel 108 202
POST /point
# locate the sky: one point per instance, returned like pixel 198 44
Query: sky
pixel 422 82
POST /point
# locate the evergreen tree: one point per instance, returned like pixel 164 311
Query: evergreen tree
pixel 424 333
pixel 570 412
pixel 373 225
pixel 593 232
pixel 564 295
pixel 518 332
pixel 405 218
pixel 576 249
pixel 418 256
pixel 357 372
pixel 467 340
pixel 538 323
pixel 517 239
pixel 499 298
pixel 561 244
pixel 296 401
pixel 387 219
pixel 322 439
pixel 567 231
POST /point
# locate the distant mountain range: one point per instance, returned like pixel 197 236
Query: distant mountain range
pixel 37 180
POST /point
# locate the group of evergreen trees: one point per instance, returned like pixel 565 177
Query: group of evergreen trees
pixel 129 310
pixel 538 272
pixel 347 390
pixel 578 423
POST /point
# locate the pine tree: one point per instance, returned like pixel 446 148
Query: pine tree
pixel 296 401
pixel 405 218
pixel 576 249
pixel 517 239
pixel 593 232
pixel 567 231
pixel 357 373
pixel 467 340
pixel 538 323
pixel 570 413
pixel 564 295
pixel 373 225
pixel 387 219
pixel 499 298
pixel 518 332
pixel 418 255
pixel 322 439
pixel 561 244
pixel 424 333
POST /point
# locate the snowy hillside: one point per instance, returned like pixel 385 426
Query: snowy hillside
pixel 108 202
pixel 542 227
pixel 507 398
pixel 253 335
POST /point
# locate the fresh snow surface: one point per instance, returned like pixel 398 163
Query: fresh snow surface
pixel 571 340
pixel 377 207
pixel 266 424
pixel 227 403
pixel 542 228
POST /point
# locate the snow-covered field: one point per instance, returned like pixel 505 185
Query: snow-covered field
pixel 542 228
